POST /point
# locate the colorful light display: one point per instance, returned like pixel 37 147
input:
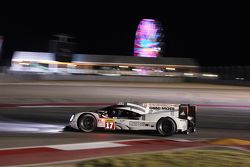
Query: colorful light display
pixel 148 39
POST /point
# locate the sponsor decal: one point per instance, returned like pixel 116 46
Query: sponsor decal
pixel 110 124
pixel 136 123
pixel 161 108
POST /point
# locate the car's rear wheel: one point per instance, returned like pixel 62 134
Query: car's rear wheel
pixel 166 126
pixel 191 127
pixel 87 123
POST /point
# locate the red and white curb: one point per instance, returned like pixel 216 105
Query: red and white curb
pixel 67 153
pixel 40 155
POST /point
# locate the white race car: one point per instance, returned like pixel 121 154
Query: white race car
pixel 167 119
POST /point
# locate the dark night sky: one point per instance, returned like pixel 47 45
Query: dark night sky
pixel 212 33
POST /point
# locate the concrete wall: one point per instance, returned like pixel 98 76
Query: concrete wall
pixel 23 77
pixel 54 77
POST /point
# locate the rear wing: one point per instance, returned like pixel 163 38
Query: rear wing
pixel 187 111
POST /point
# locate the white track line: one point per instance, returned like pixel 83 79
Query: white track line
pixel 88 143
pixel 84 146
pixel 94 145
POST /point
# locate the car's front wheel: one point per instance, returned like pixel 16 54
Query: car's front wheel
pixel 87 123
pixel 166 126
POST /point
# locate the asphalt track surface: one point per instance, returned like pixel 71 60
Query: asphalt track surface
pixel 33 117
pixel 223 111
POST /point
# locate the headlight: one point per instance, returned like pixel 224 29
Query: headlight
pixel 71 118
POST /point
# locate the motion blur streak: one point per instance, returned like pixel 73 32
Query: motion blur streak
pixel 30 127
pixel 222 106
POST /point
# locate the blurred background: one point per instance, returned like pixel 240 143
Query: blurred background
pixel 59 58
pixel 203 40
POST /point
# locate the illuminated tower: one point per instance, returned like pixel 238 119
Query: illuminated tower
pixel 1 43
pixel 148 39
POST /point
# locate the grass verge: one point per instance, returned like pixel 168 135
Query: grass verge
pixel 191 158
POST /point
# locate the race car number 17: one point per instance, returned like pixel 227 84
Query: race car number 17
pixel 110 124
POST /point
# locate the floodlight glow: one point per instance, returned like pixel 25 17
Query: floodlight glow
pixel 123 66
pixel 170 68
pixel 210 75
pixel 137 69
pixel 189 74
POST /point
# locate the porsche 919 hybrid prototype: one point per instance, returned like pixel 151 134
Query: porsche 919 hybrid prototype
pixel 167 119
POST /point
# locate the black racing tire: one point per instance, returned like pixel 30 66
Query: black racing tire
pixel 87 123
pixel 166 126
pixel 188 131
